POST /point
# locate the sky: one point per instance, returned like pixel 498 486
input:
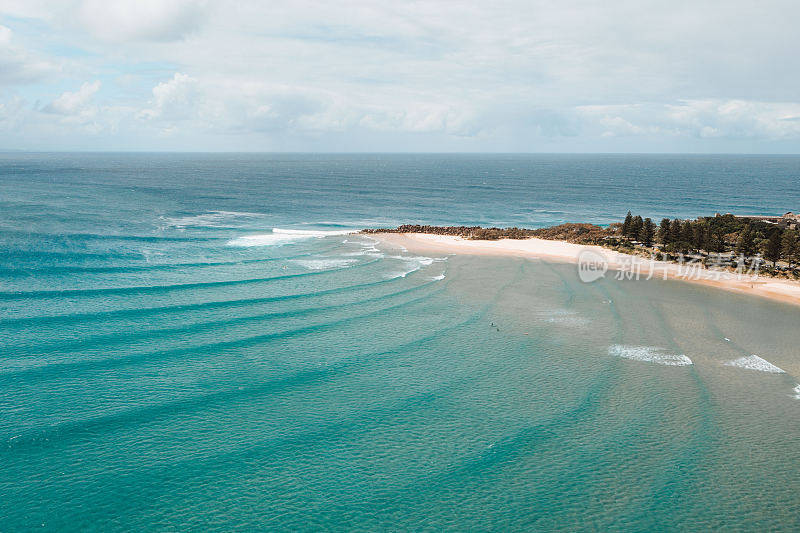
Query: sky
pixel 396 76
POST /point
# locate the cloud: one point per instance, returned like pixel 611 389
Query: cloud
pixel 366 74
pixel 699 119
pixel 141 20
pixel 174 99
pixel 73 103
pixel 18 65
pixel 738 119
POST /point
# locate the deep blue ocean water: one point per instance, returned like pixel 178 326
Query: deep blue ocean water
pixel 196 342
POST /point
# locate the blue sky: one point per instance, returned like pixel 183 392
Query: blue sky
pixel 508 76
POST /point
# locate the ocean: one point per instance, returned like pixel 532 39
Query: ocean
pixel 197 342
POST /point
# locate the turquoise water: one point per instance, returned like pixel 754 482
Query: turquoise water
pixel 194 342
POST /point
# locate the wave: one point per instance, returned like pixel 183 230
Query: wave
pixel 796 391
pixel 301 377
pixel 367 248
pixel 421 259
pixel 109 339
pixel 281 236
pixel 649 354
pixel 107 291
pixel 413 263
pixel 213 219
pixel 564 317
pixel 313 233
pixel 150 311
pixel 754 362
pixel 399 273
pixel 368 252
pixel 51 371
pixel 149 267
pixel 62 238
pixel 410 267
pixel 323 264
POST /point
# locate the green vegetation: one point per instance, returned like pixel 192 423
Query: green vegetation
pixel 728 238
pixel 647 233
pixel 772 246
pixel 721 240
pixel 575 233
pixel 790 247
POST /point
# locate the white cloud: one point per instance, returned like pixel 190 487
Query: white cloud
pixel 74 103
pixel 141 20
pixel 739 118
pixel 365 74
pixel 174 99
pixel 721 119
pixel 18 65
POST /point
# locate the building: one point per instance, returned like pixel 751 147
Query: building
pixel 788 220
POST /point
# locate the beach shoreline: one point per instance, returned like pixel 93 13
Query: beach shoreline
pixel 781 290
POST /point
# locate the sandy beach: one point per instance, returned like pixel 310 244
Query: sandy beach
pixel 618 263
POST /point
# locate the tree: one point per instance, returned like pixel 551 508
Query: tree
pixel 700 235
pixel 664 232
pixel 678 242
pixel 648 232
pixel 636 227
pixel 772 246
pixel 716 240
pixel 790 246
pixel 626 226
pixel 745 245
pixel 687 232
pixel 675 231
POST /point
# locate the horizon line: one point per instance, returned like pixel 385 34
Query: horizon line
pixel 300 152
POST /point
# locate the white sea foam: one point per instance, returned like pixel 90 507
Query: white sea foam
pixel 421 259
pixel 213 219
pixel 369 252
pixel 265 239
pixel 283 236
pixel 412 267
pixel 564 317
pixel 367 249
pixel 413 263
pixel 796 391
pixel 438 278
pixel 323 264
pixel 754 362
pixel 313 232
pixel 649 354
pixel 399 273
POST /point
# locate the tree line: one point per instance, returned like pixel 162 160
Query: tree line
pixel 717 234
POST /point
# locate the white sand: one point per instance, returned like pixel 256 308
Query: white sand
pixel 777 289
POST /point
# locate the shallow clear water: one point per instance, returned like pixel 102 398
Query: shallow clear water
pixel 170 361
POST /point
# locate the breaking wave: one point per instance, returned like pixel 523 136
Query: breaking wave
pixel 214 219
pixel 649 354
pixel 412 264
pixel 367 249
pixel 283 236
pixel 754 362
pixel 324 264
pixel 564 317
